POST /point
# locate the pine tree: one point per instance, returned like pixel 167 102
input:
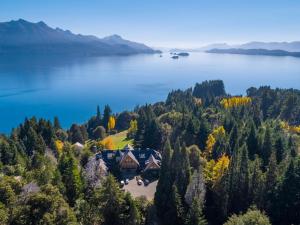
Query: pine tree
pixel 279 148
pixel 106 116
pixel 239 181
pixel 203 134
pixel 69 169
pixel 256 184
pixel 164 186
pixel 195 215
pixel 270 184
pixel 175 215
pixel 184 176
pixel 289 195
pixel 252 143
pixel 233 138
pixel 267 147
pixel 57 125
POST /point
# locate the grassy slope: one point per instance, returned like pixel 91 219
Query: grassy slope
pixel 120 139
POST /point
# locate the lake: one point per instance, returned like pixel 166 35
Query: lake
pixel 71 88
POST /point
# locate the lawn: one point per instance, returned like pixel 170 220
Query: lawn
pixel 120 139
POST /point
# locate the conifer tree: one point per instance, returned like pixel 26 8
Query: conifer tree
pixel 203 133
pixel 289 195
pixel 195 215
pixel 164 186
pixel 270 184
pixel 175 215
pixel 279 148
pixel 267 147
pixel 252 143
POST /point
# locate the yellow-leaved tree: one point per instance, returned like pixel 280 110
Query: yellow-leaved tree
pixel 289 128
pixel 218 132
pixel 235 102
pixel 214 171
pixel 59 145
pixel 220 167
pixel 111 123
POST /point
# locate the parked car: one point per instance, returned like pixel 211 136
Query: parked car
pixel 146 182
pixel 139 182
pixel 122 183
pixel 127 181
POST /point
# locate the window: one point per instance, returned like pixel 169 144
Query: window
pixel 109 155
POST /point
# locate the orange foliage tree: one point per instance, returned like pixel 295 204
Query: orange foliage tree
pixel 107 143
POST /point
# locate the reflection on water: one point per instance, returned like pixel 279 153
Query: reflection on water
pixel 71 88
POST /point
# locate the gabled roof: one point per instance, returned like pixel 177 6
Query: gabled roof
pixel 152 162
pixel 129 154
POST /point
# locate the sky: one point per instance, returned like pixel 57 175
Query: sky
pixel 166 23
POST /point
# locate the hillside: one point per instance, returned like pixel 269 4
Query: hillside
pixel 26 37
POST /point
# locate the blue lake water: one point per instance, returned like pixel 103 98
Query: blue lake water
pixel 72 88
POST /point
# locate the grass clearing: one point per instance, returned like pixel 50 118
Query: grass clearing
pixel 120 139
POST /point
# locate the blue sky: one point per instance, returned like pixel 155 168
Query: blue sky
pixel 170 23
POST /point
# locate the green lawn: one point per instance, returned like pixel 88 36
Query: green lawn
pixel 120 139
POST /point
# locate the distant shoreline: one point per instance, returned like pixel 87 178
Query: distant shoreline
pixel 266 52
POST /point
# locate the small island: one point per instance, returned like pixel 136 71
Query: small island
pixel 183 54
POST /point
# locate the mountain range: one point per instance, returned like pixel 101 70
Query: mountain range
pixel 284 46
pixel 254 52
pixel 23 37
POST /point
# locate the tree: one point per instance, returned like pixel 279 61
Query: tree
pixel 203 133
pixel 111 123
pixel 71 178
pixel 270 185
pixel 252 141
pixel 111 202
pixel 195 157
pixel 132 214
pixel 107 143
pixel 45 207
pixel 256 184
pixel 3 214
pixel 252 217
pixel 176 213
pixel 289 195
pixel 76 135
pixel 106 116
pixel 164 185
pixel 195 215
pixel 279 148
pixel 99 133
pixel 238 182
pixel 267 147
pixel 196 189
pixel 57 125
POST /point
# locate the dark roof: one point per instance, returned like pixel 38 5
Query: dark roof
pixel 141 155
pixel 129 154
pixel 152 161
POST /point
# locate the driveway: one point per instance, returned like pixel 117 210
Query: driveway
pixel 141 190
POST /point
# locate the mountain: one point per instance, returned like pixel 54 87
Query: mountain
pixel 285 46
pixel 254 52
pixel 25 37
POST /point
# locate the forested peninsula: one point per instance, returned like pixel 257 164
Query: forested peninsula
pixel 212 158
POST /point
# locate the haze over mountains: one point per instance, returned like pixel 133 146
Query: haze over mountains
pixel 23 37
pixel 285 46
